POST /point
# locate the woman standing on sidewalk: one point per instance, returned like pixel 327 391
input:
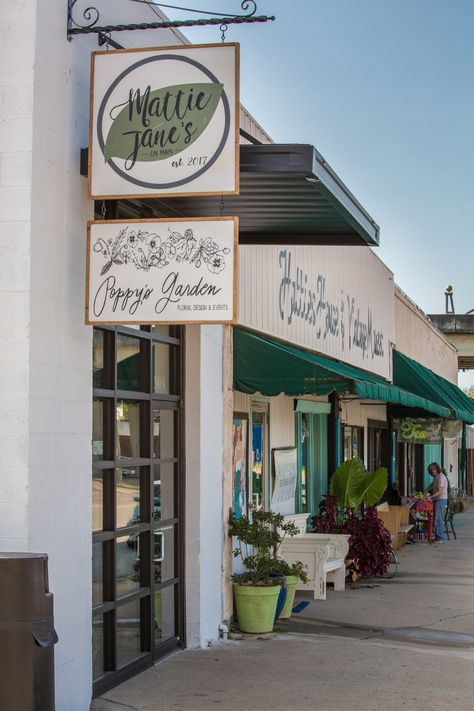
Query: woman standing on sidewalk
pixel 440 497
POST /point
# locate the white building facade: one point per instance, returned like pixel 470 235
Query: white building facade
pixel 47 362
pixel 117 442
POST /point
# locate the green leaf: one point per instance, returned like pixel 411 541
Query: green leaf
pixel 133 140
pixel 346 483
pixel 374 486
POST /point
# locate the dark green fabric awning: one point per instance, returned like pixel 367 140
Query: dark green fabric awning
pixel 411 375
pixel 269 367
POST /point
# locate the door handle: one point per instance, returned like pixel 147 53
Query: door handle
pixel 160 558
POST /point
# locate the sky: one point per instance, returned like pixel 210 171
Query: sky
pixel 384 89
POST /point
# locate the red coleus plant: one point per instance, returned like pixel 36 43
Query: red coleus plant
pixel 369 542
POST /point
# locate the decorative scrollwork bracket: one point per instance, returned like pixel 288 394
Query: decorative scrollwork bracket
pixel 85 19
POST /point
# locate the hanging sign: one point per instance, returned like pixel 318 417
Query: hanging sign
pixel 427 431
pixel 164 121
pixel 285 473
pixel 161 271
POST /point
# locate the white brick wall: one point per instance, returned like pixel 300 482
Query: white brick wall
pixel 45 351
pixel 16 81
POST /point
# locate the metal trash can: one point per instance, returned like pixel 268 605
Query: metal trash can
pixel 27 634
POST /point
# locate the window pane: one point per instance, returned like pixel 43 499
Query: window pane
pixel 347 443
pixel 258 448
pixel 160 330
pixel 98 429
pixel 98 359
pixel 304 453
pixel 97 500
pixel 97 646
pixel 127 493
pixel 129 363
pixel 164 498
pixel 97 574
pixel 128 632
pixel 165 616
pixel 163 555
pixel 128 564
pixel 163 434
pixel 161 368
pixel 128 429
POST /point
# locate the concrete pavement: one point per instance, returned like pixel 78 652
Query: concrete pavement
pixel 401 643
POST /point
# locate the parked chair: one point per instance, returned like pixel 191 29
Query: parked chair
pixel 451 509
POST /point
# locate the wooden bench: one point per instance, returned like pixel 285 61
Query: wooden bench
pixel 395 520
pixel 323 554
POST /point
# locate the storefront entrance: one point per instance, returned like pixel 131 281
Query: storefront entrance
pixel 261 486
pixel 378 451
pixel 312 459
pixel 136 500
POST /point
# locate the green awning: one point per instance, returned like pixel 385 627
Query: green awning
pixel 413 376
pixel 270 367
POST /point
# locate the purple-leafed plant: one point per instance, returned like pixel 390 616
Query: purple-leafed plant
pixel 369 544
pixel 369 540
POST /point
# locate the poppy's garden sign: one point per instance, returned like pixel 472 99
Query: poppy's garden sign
pixel 164 121
pixel 161 271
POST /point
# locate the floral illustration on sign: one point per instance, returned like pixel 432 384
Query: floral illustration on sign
pixel 147 249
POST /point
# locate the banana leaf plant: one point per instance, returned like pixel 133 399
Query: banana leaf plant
pixel 353 485
pixel 369 541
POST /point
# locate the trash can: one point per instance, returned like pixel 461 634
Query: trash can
pixel 27 634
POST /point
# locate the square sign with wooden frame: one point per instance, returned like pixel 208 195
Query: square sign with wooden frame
pixel 164 121
pixel 162 271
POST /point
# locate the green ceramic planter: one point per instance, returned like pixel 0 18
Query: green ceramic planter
pixel 256 607
pixel 291 581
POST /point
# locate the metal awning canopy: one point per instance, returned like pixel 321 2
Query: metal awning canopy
pixel 288 193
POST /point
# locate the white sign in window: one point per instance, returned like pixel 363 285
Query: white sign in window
pixel 164 121
pixel 161 271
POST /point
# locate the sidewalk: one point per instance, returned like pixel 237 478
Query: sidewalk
pixel 406 642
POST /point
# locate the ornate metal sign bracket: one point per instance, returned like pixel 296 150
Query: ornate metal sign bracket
pixel 87 20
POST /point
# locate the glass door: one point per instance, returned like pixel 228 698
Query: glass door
pixel 311 438
pixel 353 442
pixel 378 446
pixel 260 480
pixel 136 500
pixel 166 577
pixel 305 457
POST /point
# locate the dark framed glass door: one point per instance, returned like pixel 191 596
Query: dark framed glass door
pixel 137 501
pixel 378 451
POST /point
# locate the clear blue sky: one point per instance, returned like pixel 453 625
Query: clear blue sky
pixel 385 91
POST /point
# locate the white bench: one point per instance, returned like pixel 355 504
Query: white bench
pixel 323 554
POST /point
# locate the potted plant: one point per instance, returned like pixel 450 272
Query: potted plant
pixel 257 589
pixel 292 573
pixel 339 512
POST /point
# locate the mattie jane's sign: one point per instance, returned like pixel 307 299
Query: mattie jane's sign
pixel 161 271
pixel 164 121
